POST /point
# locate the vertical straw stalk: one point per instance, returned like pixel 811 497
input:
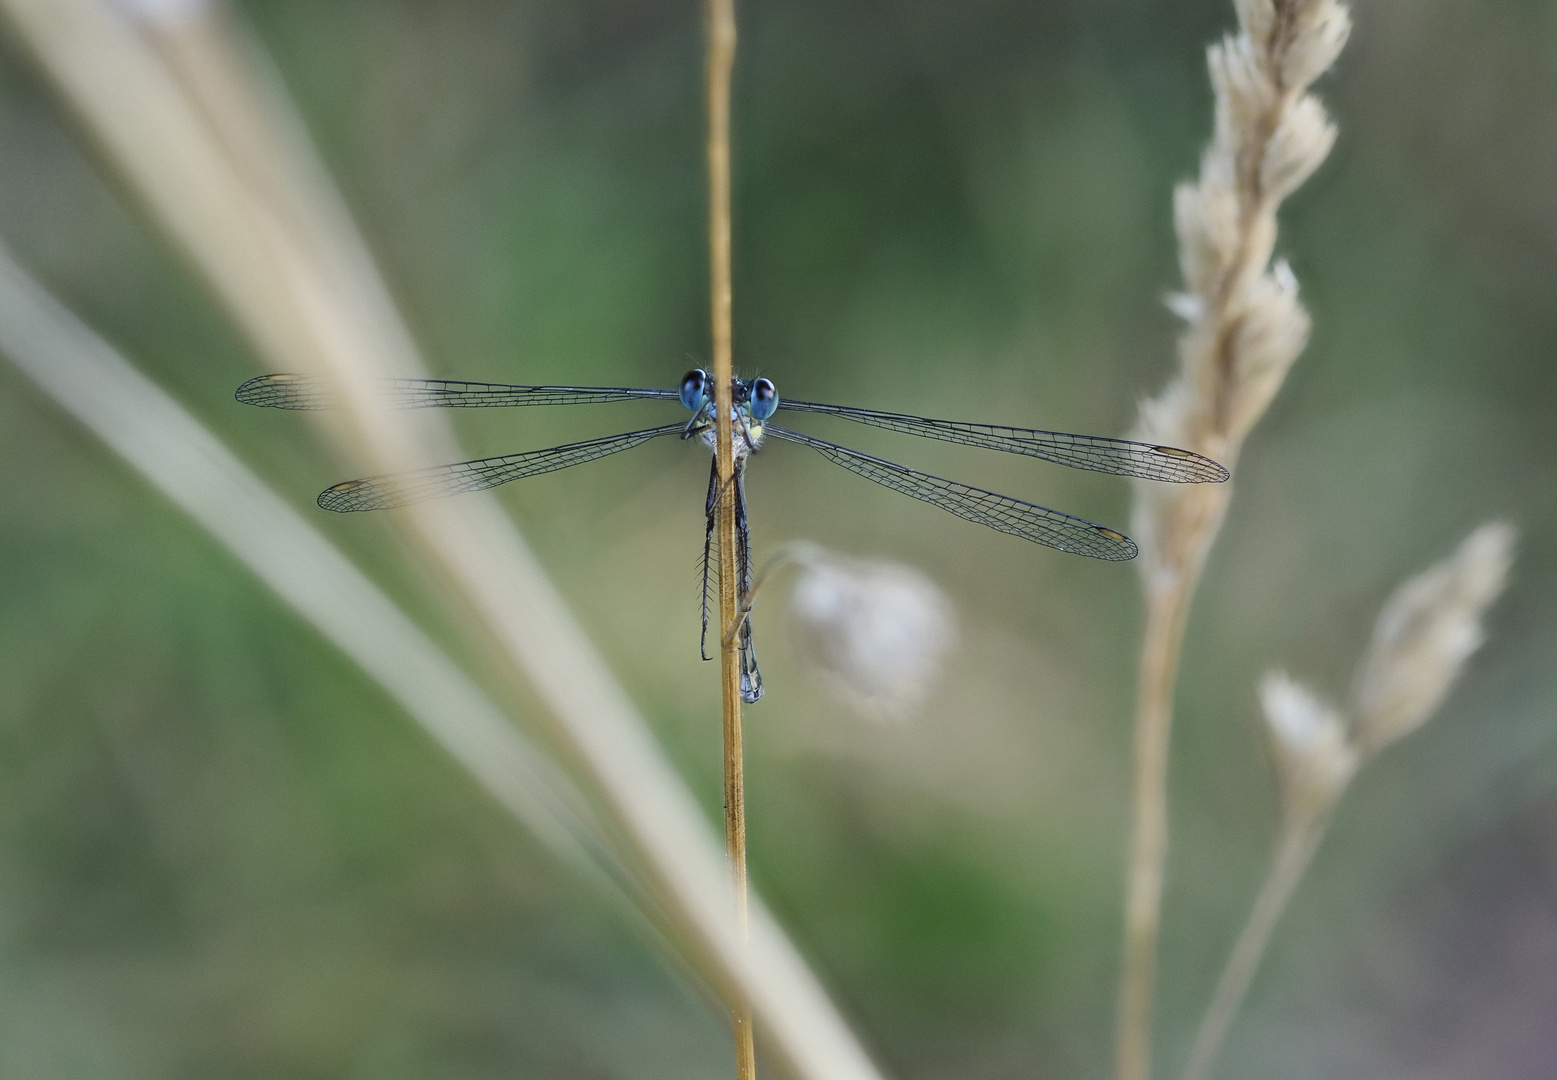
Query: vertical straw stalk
pixel 720 30
pixel 282 255
pixel 1245 327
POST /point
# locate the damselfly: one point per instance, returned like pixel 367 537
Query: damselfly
pixel 755 401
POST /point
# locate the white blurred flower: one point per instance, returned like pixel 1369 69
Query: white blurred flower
pixel 876 630
pixel 1314 757
pixel 1424 635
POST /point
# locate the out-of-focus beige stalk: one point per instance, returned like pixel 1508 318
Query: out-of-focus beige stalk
pixel 1245 328
pixel 719 16
pixel 1420 643
pixel 191 466
pixel 179 104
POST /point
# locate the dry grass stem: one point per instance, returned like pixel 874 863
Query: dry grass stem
pixel 1423 636
pixel 1294 851
pixel 720 59
pixel 1245 328
pixel 283 257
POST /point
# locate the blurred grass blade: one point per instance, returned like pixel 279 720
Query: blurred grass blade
pixel 191 466
pixel 171 105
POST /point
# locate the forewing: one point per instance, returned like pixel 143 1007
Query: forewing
pixel 383 492
pixel 1027 520
pixel 310 392
pixel 1097 453
pixel 284 391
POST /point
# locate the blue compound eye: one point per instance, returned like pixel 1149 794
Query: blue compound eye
pixel 764 399
pixel 694 389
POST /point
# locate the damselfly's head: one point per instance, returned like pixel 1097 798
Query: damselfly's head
pixel 757 398
pixel 754 399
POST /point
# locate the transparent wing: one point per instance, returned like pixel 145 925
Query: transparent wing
pixel 1095 452
pixel 309 392
pixel 1027 520
pixel 382 492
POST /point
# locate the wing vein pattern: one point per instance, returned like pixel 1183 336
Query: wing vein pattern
pixel 1029 521
pixel 1097 453
pixel 383 492
pixel 309 392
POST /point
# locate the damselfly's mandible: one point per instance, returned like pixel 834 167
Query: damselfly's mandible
pixel 755 401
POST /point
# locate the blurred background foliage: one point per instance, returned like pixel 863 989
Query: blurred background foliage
pixel 224 854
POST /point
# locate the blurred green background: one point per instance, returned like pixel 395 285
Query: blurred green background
pixel 223 852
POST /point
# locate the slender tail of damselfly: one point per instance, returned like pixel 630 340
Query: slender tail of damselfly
pixel 751 677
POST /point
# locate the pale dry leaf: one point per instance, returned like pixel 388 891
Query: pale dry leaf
pixel 1298 146
pixel 1314 758
pixel 1424 635
pixel 1316 43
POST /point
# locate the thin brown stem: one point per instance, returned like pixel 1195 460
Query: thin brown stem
pixel 1295 850
pixel 721 58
